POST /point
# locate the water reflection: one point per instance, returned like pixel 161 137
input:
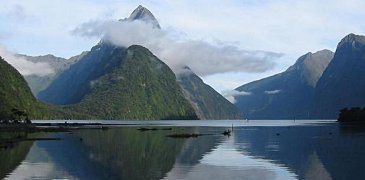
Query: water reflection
pixel 119 153
pixel 12 154
pixel 66 159
pixel 315 169
pixel 131 154
pixel 316 152
pixel 296 152
pixel 226 162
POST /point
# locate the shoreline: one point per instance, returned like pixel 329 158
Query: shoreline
pixel 53 127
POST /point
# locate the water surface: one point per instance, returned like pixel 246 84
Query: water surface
pixel 255 150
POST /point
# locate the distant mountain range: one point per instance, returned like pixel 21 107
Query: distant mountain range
pixel 39 83
pixel 111 82
pixel 317 86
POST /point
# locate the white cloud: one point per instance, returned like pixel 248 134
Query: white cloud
pixel 273 91
pixel 202 56
pixel 291 27
pixel 284 26
pixel 17 12
pixel 231 95
pixel 24 66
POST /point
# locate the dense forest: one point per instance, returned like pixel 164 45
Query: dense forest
pixel 354 114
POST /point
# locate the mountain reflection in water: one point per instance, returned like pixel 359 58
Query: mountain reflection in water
pixel 324 151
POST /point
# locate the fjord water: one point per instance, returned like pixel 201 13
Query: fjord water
pixel 255 150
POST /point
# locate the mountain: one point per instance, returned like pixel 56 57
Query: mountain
pixel 207 103
pixel 38 83
pixel 138 86
pixel 342 84
pixel 112 82
pixel 73 83
pixel 14 92
pixel 76 85
pixel 286 95
pixel 66 89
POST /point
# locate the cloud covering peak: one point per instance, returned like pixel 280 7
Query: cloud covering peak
pixel 202 56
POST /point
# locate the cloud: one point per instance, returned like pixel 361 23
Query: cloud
pixel 202 56
pixel 231 95
pixel 17 12
pixel 14 12
pixel 273 91
pixel 24 66
pixel 294 27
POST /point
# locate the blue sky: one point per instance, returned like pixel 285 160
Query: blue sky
pixel 290 27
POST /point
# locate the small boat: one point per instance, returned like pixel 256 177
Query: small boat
pixel 227 132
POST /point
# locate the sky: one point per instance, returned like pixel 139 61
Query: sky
pixel 280 30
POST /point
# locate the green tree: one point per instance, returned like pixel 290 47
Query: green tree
pixel 19 116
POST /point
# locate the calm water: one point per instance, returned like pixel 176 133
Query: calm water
pixel 255 150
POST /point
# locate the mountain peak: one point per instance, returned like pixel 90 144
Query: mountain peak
pixel 141 7
pixel 319 55
pixel 312 65
pixel 324 56
pixel 143 14
pixel 351 38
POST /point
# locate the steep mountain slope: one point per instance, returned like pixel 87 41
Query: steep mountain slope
pixel 133 85
pixel 76 85
pixel 207 103
pixel 14 92
pixel 112 82
pixel 342 84
pixel 38 83
pixel 286 95
pixel 72 84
